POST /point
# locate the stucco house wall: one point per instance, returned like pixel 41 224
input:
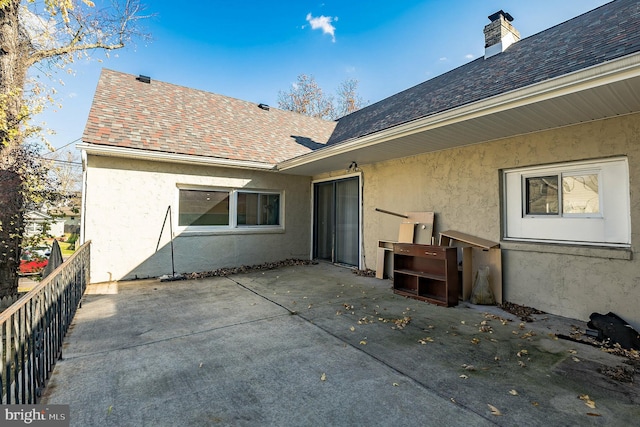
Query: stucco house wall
pixel 126 203
pixel 463 187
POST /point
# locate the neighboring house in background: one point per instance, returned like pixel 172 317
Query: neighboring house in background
pixel 536 145
pixel 69 215
pixel 36 222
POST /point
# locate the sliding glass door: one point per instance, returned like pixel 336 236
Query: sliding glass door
pixel 336 221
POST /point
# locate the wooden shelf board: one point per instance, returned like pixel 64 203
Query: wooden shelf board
pixel 468 239
pixel 424 298
pixel 406 292
pixel 422 274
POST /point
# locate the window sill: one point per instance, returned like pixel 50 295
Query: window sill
pixel 190 232
pixel 621 253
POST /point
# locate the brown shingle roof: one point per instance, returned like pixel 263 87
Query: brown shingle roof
pixel 603 34
pixel 163 117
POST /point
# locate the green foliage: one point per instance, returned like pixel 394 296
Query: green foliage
pixel 72 239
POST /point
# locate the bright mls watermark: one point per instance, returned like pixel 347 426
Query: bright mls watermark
pixel 34 415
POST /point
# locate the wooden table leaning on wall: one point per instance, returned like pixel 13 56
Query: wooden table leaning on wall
pixel 476 252
pixel 416 227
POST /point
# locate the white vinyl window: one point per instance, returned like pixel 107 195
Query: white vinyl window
pixel 203 207
pixel 580 202
pixel 200 208
pixel 258 208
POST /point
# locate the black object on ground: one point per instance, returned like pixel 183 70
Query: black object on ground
pixel 613 328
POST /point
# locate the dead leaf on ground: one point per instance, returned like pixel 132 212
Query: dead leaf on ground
pixel 365 321
pixel 352 328
pixel 363 342
pixel 396 384
pixel 425 340
pixel 475 340
pixel 494 411
pixel 528 335
pixel 495 317
pixel 463 376
pixel 593 414
pixel 522 364
pixel 513 392
pixel 401 323
pixel 323 377
pixel 469 367
pixel 587 401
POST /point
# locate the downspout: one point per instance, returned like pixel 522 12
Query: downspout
pixel 85 168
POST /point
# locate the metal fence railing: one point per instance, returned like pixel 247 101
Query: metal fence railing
pixel 32 329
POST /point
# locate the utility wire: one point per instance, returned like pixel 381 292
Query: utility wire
pixel 64 146
pixel 59 161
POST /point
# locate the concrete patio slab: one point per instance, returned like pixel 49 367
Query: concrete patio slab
pixel 318 345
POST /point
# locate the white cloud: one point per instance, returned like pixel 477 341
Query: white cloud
pixel 444 58
pixel 469 56
pixel 323 23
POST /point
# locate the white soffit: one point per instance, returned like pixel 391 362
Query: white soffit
pixel 607 90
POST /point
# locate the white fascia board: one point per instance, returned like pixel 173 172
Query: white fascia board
pixel 598 75
pixel 131 153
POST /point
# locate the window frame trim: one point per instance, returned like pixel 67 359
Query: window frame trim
pixel 612 169
pixel 561 173
pixel 233 226
pixel 259 226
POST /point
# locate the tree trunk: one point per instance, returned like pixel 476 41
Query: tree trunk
pixel 13 48
pixel 11 230
pixel 12 79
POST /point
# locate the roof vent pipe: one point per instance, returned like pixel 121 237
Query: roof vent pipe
pixel 143 79
pixel 264 107
pixel 499 34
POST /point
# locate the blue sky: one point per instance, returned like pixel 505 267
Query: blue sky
pixel 251 50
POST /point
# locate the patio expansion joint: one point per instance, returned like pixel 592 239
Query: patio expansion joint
pixel 173 337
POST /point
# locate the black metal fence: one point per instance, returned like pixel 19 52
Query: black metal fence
pixel 32 329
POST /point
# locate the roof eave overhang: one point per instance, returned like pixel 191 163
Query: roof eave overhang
pixel 157 156
pixel 621 69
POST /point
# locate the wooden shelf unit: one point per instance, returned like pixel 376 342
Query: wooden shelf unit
pixel 426 272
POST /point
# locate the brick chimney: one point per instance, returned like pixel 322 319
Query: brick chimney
pixel 499 34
